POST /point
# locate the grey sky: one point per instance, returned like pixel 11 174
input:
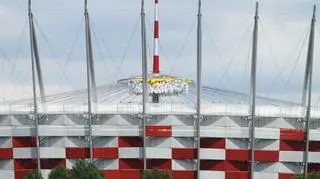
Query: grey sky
pixel 227 23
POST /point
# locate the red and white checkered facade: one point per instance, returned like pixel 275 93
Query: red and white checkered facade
pixel 170 144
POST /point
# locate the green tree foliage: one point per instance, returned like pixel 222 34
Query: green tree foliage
pixel 33 175
pixel 85 170
pixel 155 174
pixel 312 175
pixel 59 173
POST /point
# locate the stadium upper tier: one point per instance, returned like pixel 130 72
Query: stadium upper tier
pixel 119 99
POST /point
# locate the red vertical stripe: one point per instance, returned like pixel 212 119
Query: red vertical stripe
pixel 52 163
pixel 159 131
pixel 291 145
pixel 214 143
pixel 184 153
pixel 109 153
pixel 240 155
pixel 6 153
pixel 291 134
pixel 164 164
pixel 267 156
pixel 184 175
pixel 130 142
pixel 21 142
pixel 156 64
pixel 156 29
pixel 80 153
pixel 156 1
pixel 215 165
pixel 237 175
pixel 130 164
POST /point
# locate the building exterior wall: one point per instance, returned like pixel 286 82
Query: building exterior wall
pixel 170 145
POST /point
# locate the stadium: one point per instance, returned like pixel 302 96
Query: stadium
pixel 161 121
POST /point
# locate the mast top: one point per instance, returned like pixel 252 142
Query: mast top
pixel 85 6
pixel 314 13
pixel 199 8
pixel 257 10
pixel 29 7
pixel 142 7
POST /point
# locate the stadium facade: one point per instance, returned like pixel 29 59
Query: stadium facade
pixel 160 121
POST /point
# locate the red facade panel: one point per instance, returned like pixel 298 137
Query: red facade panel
pixel 237 175
pixel 286 175
pixel 184 175
pixel 290 145
pixel 25 164
pixel 130 142
pixel 130 164
pixel 215 165
pixel 268 156
pixel 6 153
pixel 163 164
pixel 314 146
pixel 80 153
pixel 122 174
pixel 19 174
pixel 158 131
pixel 52 163
pixel 240 155
pixel 214 143
pixel 236 166
pixel 291 134
pixel 24 142
pixel 105 153
pixel 178 153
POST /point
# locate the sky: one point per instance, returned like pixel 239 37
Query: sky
pixel 227 38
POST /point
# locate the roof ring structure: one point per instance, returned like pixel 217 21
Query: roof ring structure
pixel 164 85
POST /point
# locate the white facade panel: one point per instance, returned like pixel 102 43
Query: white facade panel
pixel 24 153
pixel 314 157
pixel 107 164
pixel 50 152
pixel 291 156
pixel 219 132
pixel 267 133
pixel 105 142
pixel 158 153
pixel 6 164
pixel 183 165
pixel 161 142
pixel 290 167
pixel 46 130
pixel 183 142
pixel 130 152
pixel 129 131
pixel 212 174
pixel 264 175
pixel 6 174
pixel 183 131
pixel 212 154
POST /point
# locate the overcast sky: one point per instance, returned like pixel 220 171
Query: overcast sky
pixel 227 36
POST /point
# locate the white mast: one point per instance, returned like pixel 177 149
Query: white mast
pixel 91 83
pixel 252 102
pixel 309 69
pixel 35 62
pixel 199 69
pixel 145 82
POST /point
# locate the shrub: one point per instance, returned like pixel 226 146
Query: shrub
pixel 33 175
pixel 155 174
pixel 85 170
pixel 59 173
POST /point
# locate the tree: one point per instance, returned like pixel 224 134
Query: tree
pixel 85 170
pixel 59 173
pixel 155 174
pixel 33 175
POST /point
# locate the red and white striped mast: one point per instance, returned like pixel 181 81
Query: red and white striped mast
pixel 156 58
